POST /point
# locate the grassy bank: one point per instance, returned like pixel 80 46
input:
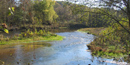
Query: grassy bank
pixel 111 42
pixel 33 39
pixel 29 36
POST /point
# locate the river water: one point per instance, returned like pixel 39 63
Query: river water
pixel 70 51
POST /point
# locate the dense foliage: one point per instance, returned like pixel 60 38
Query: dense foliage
pixel 44 11
pixel 92 17
pixel 27 12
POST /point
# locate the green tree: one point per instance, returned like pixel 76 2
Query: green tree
pixel 44 11
pixel 64 12
pixel 93 17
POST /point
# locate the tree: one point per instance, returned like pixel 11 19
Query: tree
pixel 90 16
pixel 44 11
pixel 64 12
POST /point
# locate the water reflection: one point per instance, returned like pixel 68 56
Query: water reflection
pixel 21 54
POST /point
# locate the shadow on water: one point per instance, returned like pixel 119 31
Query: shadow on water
pixel 71 51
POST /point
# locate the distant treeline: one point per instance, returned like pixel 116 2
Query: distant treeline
pixel 92 17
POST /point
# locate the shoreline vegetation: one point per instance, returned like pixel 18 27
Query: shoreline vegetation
pixel 30 33
pixel 30 36
pixel 104 45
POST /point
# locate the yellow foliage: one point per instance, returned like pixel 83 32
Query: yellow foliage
pixel 6 31
pixel 25 34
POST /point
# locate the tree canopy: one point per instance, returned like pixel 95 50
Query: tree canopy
pixel 44 10
pixel 27 12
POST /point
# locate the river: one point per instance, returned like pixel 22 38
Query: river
pixel 71 51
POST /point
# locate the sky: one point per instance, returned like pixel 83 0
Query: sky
pixel 59 0
pixel 91 3
pixel 83 2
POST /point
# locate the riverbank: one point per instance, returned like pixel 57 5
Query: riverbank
pixel 29 36
pixel 94 31
pixel 110 42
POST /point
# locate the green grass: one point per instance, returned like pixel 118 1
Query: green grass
pixel 33 39
pixel 31 36
pixel 110 52
pixel 108 55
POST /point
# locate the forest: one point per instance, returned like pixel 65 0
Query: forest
pixel 107 20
